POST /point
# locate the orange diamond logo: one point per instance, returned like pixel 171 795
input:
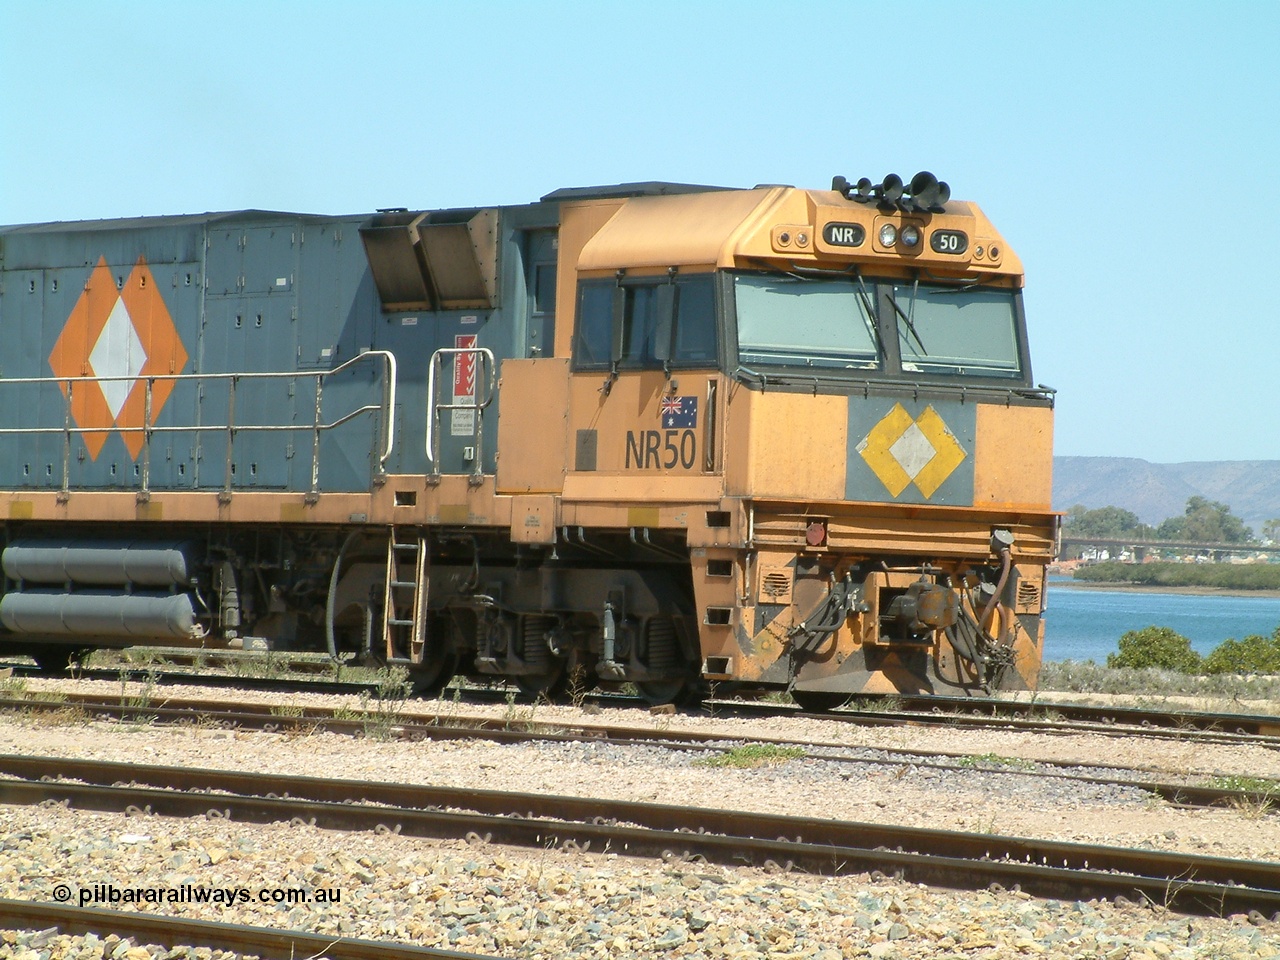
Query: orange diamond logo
pixel 117 337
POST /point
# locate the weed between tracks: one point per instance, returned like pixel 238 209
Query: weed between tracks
pixel 1252 784
pixel 522 717
pixel 133 706
pixel 889 704
pixel 15 688
pixel 750 755
pixel 381 709
pixel 1250 808
pixel 995 760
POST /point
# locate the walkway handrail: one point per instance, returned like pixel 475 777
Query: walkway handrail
pixel 485 357
pixel 67 429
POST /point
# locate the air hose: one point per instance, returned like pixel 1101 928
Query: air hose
pixel 332 599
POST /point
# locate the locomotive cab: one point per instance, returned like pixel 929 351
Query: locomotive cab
pixel 853 380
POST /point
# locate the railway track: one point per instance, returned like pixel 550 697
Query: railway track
pixel 1039 716
pixel 439 727
pixel 263 942
pixel 1191 884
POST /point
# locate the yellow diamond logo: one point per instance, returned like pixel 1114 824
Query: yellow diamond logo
pixel 901 450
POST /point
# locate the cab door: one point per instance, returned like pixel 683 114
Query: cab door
pixel 644 397
pixel 541 248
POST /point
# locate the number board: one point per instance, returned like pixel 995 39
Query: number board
pixel 844 234
pixel 949 241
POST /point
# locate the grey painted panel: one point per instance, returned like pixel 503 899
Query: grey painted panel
pixel 27 461
pixel 247 292
pixel 66 246
pixel 270 259
pixel 249 335
pixel 910 451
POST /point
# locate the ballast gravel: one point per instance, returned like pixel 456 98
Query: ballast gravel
pixel 567 904
pixel 551 904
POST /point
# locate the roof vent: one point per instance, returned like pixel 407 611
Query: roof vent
pixel 434 261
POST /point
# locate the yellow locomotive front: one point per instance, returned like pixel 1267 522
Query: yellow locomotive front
pixel 825 398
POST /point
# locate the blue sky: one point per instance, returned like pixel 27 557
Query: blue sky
pixel 1127 151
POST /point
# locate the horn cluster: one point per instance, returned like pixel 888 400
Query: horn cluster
pixel 924 192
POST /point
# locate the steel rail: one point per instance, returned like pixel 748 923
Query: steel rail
pixel 1259 724
pixel 170 678
pixel 1044 716
pixel 251 716
pixel 264 942
pixel 1189 883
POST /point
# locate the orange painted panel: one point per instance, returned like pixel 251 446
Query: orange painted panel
pixel 685 230
pixel 1013 462
pixel 533 412
pixel 787 445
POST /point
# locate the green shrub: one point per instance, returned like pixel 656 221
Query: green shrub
pixel 1155 647
pixel 1075 677
pixel 1253 654
pixel 1220 576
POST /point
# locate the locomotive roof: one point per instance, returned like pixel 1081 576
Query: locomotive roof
pixel 647 188
pixel 176 220
pixel 621 191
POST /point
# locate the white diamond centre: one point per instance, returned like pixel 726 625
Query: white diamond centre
pixel 913 451
pixel 118 353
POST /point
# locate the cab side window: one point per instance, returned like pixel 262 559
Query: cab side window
pixel 695 332
pixel 646 323
pixel 594 340
pixel 640 325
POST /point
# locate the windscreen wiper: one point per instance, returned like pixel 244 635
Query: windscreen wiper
pixel 869 313
pixel 907 319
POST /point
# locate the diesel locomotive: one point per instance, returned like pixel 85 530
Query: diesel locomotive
pixel 656 434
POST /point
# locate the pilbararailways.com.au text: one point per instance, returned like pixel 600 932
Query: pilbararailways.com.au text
pixel 100 894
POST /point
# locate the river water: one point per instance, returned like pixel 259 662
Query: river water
pixel 1086 624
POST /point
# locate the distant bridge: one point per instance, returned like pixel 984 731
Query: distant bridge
pixel 1140 547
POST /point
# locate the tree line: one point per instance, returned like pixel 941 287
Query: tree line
pixel 1204 521
pixel 1217 576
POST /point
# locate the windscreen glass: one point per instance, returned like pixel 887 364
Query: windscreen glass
pixel 805 322
pixel 957 330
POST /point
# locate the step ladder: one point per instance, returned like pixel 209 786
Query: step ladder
pixel 405 598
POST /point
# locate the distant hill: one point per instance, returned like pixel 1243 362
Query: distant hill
pixel 1156 491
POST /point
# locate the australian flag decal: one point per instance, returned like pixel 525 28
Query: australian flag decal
pixel 679 412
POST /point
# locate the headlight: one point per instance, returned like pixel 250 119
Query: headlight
pixel 910 235
pixel 888 235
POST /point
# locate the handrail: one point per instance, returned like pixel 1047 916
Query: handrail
pixel 386 408
pixel 987 389
pixel 434 407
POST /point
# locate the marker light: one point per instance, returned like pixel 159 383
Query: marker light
pixel 888 235
pixel 910 235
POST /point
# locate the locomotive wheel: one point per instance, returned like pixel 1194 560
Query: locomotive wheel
pixel 55 659
pixel 429 680
pixel 657 692
pixel 818 701
pixel 550 686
